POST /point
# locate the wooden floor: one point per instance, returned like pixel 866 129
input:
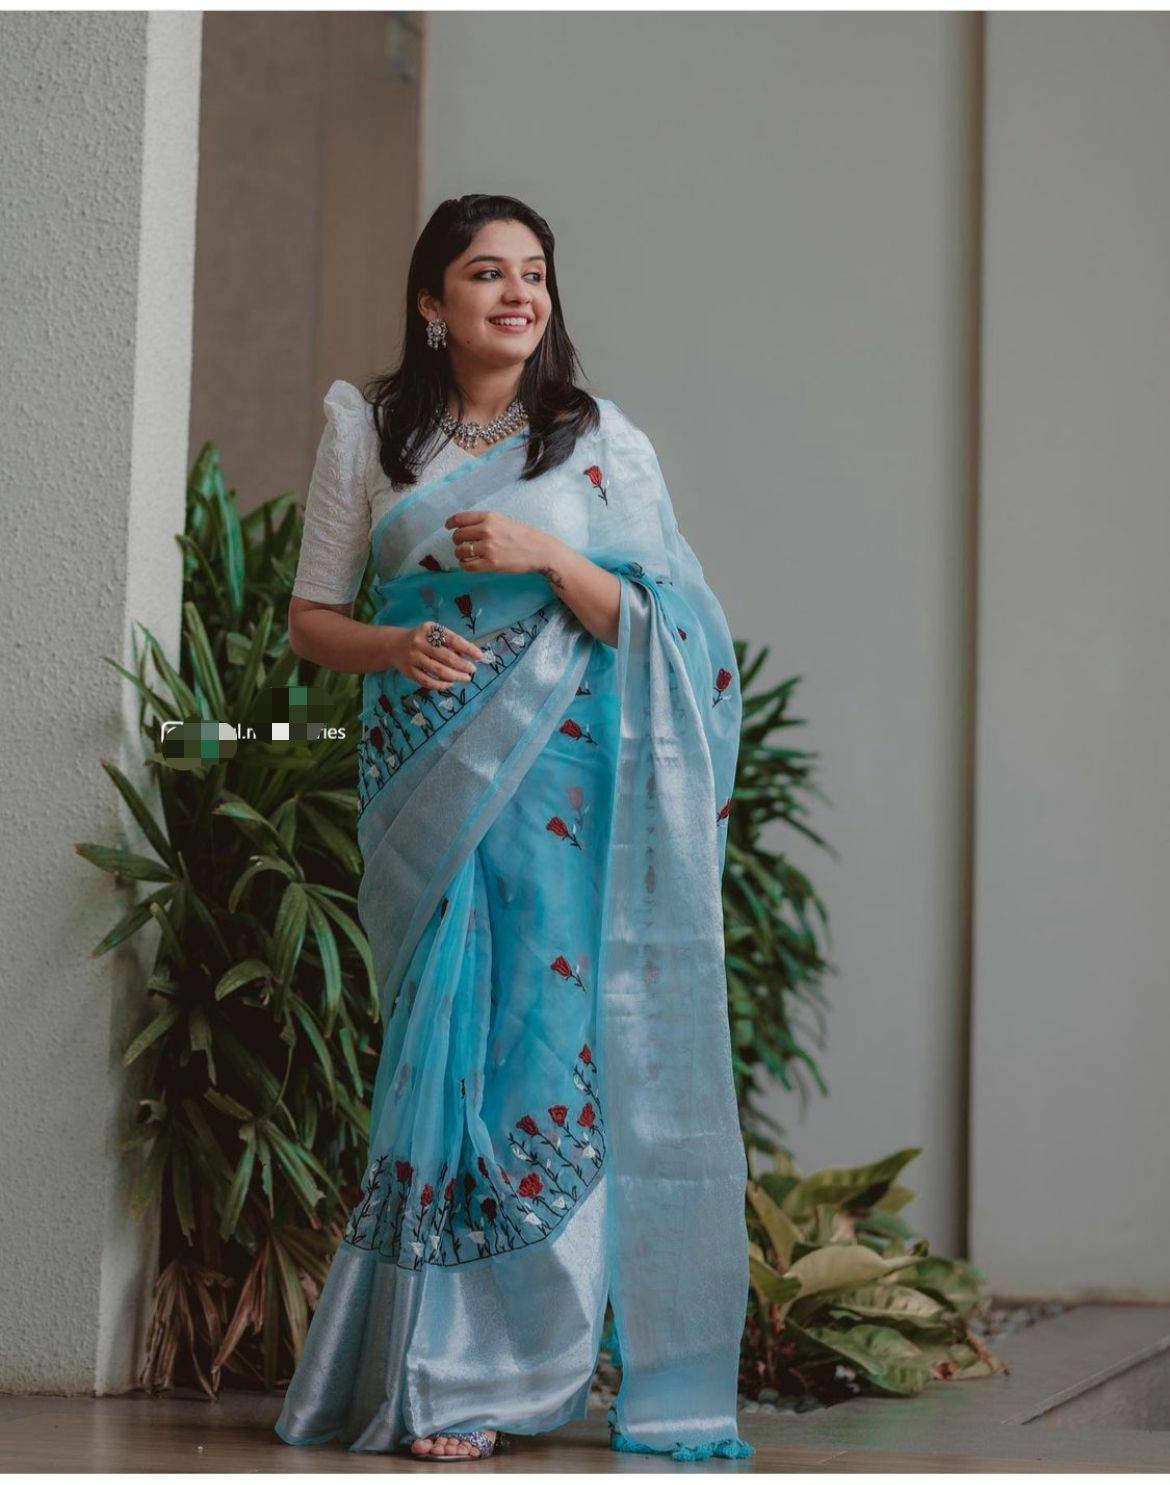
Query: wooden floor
pixel 139 1434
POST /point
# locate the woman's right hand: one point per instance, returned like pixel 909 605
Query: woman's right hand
pixel 436 667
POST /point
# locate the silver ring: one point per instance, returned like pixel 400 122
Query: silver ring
pixel 435 635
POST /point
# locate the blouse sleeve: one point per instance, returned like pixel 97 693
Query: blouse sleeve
pixel 335 542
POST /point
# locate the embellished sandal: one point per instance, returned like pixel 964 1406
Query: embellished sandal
pixel 477 1438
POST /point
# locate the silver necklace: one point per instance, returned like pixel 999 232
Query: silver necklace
pixel 466 435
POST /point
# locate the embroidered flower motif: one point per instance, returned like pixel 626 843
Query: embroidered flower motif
pixel 454 1219
pixel 574 730
pixel 431 563
pixel 724 812
pixel 595 477
pixel 682 634
pixel 560 829
pixel 463 604
pixel 562 967
pixel 722 681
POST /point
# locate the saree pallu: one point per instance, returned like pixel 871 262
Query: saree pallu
pixel 553 1120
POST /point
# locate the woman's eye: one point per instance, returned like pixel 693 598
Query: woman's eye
pixel 534 272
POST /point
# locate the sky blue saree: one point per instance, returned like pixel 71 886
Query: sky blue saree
pixel 554 1119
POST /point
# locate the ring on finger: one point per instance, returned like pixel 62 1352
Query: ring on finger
pixel 436 634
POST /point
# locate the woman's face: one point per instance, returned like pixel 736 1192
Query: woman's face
pixel 500 274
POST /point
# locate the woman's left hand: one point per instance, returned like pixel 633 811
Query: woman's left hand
pixel 500 544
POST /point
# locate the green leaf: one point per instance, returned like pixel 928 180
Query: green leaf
pixel 124 863
pixel 149 1182
pixel 181 1189
pixel 133 921
pixel 243 973
pixel 304 1018
pixel 296 1309
pixel 342 847
pixel 355 936
pixel 234 1203
pixel 330 961
pixel 251 821
pixel 890 1360
pixel 257 866
pixel 161 1024
pixel 782 1232
pixel 203 663
pixel 846 1185
pixel 289 934
pixel 141 811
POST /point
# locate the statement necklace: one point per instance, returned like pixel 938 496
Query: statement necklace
pixel 467 434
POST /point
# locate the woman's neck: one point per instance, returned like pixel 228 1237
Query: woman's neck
pixel 486 397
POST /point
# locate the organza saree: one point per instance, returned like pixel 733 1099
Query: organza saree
pixel 553 1120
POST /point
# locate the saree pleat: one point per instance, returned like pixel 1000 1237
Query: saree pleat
pixel 553 1120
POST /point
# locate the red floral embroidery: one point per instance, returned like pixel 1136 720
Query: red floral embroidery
pixel 559 828
pixel 724 812
pixel 463 604
pixel 566 971
pixel 575 730
pixel 597 479
pixel 431 563
pixel 413 1228
pixel 722 681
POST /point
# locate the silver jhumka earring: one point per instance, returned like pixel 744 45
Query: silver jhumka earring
pixel 436 333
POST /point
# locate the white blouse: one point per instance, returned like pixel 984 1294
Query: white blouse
pixel 349 493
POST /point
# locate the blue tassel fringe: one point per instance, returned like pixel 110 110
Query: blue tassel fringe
pixel 724 1448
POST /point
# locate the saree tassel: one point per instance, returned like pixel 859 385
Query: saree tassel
pixel 729 1448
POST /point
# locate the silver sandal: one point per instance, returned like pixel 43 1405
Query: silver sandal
pixel 477 1438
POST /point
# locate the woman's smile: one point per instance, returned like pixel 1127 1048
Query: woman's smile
pixel 511 324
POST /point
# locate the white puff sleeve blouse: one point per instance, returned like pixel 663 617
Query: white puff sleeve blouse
pixel 336 539
pixel 349 493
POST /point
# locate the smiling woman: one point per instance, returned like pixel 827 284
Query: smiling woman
pixel 550 728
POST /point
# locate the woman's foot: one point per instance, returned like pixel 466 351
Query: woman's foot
pixel 449 1446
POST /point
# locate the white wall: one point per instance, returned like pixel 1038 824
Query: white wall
pixel 764 251
pixel 1072 993
pixel 98 112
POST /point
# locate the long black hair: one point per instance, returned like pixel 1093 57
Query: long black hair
pixel 409 401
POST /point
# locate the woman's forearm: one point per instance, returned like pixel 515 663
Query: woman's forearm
pixel 331 639
pixel 592 592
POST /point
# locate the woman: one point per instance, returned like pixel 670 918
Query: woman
pixel 550 730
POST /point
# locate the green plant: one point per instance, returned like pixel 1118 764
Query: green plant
pixel 774 961
pixel 263 1041
pixel 845 1298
